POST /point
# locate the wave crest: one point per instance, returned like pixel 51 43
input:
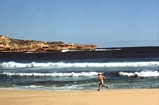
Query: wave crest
pixel 72 74
pixel 85 64
pixel 140 74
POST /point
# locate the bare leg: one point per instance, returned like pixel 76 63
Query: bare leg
pixel 105 86
pixel 99 86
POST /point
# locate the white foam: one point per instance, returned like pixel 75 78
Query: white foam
pixel 140 74
pixel 106 49
pixel 85 64
pixel 58 88
pixel 72 74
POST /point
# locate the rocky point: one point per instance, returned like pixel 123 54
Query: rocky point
pixel 17 45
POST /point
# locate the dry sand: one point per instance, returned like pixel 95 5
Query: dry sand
pixel 81 97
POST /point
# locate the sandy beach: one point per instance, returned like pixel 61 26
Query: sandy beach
pixel 81 97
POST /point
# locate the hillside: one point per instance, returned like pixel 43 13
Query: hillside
pixel 16 45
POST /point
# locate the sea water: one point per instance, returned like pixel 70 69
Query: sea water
pixel 123 69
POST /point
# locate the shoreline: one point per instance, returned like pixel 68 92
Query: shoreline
pixel 80 97
pixel 61 90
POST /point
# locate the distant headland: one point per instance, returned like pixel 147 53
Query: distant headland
pixel 17 45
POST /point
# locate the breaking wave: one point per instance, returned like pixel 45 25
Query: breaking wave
pixel 85 64
pixel 72 74
pixel 140 74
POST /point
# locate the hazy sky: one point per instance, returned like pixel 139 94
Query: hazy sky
pixel 106 23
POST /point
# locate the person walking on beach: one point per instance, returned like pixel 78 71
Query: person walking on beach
pixel 101 81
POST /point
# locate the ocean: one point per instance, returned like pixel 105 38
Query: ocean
pixel 123 68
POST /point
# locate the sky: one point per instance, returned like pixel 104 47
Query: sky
pixel 105 23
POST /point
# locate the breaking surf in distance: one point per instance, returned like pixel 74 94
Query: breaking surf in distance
pixel 77 64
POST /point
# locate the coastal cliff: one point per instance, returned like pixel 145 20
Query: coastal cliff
pixel 16 45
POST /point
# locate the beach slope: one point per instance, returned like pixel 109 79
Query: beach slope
pixel 82 97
